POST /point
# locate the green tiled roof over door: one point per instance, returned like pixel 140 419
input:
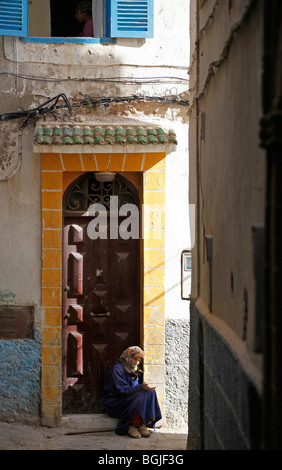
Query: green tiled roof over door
pixel 102 135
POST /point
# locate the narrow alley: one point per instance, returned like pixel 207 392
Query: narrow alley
pixel 140 234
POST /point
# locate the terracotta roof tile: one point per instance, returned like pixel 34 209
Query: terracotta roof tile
pixel 102 135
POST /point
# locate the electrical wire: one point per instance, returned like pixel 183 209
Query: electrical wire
pixel 40 110
pixel 95 100
pixel 122 80
pixel 53 107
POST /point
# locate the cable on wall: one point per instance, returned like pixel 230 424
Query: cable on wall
pixel 53 106
pixel 49 106
pixel 121 80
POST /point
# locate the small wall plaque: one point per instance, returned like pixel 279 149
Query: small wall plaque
pixel 16 322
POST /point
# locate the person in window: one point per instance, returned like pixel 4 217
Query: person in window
pixel 84 16
pixel 134 404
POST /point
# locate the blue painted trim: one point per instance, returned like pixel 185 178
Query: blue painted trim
pixel 14 18
pixel 107 6
pixel 132 18
pixel 70 40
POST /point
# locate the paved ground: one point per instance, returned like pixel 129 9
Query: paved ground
pixel 14 436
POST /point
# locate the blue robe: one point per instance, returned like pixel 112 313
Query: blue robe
pixel 122 396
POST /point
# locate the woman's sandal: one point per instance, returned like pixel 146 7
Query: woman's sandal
pixel 133 432
pixel 144 431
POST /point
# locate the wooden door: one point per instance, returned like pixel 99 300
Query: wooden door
pixel 100 310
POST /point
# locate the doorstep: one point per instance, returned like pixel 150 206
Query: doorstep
pixel 89 421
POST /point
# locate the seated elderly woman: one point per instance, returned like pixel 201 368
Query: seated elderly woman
pixel 134 404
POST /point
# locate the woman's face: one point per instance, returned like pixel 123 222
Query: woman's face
pixel 80 16
pixel 136 359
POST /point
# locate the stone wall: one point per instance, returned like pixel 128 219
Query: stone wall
pixel 224 393
pixel 177 372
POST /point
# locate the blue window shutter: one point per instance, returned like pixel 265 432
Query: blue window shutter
pixel 14 18
pixel 132 18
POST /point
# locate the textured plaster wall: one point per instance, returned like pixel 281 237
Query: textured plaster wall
pixel 177 372
pixel 230 156
pixel 227 169
pixel 20 279
pixel 20 380
pixel 61 67
pixel 177 310
pixel 224 394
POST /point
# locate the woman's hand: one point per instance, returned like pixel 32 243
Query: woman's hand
pixel 146 387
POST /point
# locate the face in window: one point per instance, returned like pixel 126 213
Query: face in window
pixel 81 16
pixel 83 11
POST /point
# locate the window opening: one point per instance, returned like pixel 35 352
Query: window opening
pixel 54 21
pixel 63 20
pixel 53 18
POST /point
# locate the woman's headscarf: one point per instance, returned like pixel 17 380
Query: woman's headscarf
pixel 126 359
